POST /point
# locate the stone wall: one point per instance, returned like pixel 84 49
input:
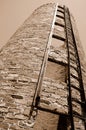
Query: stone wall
pixel 21 61
pixel 20 64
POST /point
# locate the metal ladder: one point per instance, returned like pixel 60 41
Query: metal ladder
pixel 74 63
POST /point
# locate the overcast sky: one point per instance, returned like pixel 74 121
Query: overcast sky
pixel 14 12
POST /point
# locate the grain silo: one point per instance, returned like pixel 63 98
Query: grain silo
pixel 42 74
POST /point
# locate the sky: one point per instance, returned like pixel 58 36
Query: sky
pixel 14 12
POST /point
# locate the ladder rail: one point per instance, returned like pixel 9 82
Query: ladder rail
pixel 82 93
pixel 72 52
pixel 79 72
pixel 69 86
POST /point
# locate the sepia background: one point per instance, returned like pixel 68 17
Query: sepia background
pixel 14 12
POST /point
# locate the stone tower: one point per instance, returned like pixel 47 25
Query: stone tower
pixel 42 74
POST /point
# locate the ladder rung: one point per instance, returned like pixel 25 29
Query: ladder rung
pixel 74 68
pixel 60 11
pixel 58 37
pixel 60 16
pixel 77 88
pixel 56 61
pixel 50 111
pixel 79 116
pixel 71 52
pixel 59 24
pixel 69 32
pixel 68 26
pixel 77 78
pixel 71 47
pixel 71 43
pixel 70 38
pixel 69 35
pixel 77 101
pixel 60 7
pixel 71 59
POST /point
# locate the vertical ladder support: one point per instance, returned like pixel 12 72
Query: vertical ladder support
pixel 69 30
pixel 69 87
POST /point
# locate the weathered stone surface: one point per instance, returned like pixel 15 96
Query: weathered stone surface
pixel 59 31
pixel 61 12
pixel 54 95
pixel 48 121
pixel 20 64
pixel 58 73
pixel 58 54
pixel 79 124
pixel 61 21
